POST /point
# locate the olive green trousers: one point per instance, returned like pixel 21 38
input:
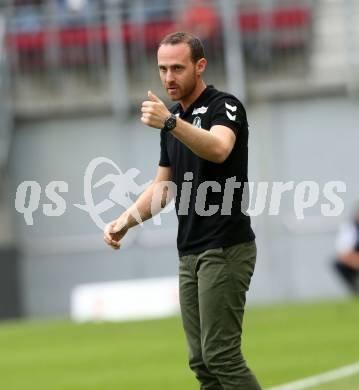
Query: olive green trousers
pixel 213 286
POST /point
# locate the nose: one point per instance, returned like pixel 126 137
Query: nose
pixel 169 77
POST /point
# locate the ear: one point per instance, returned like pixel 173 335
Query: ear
pixel 201 66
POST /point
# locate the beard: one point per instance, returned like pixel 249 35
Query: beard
pixel 183 91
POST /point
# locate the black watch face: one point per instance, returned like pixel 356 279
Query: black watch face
pixel 171 122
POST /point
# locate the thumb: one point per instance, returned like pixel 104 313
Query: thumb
pixel 117 227
pixel 113 229
pixel 153 97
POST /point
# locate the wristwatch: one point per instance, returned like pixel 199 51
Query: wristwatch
pixel 170 123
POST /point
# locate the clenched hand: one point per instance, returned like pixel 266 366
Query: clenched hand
pixel 154 112
pixel 114 232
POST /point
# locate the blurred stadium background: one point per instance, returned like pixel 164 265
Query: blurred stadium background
pixel 73 74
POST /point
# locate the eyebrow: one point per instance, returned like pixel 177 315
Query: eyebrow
pixel 170 66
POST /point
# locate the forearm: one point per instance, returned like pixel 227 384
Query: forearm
pixel 213 145
pixel 202 142
pixel 148 204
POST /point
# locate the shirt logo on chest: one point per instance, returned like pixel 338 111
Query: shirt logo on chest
pixel 197 122
pixel 200 110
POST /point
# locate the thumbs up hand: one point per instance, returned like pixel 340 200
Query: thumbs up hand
pixel 153 97
pixel 154 112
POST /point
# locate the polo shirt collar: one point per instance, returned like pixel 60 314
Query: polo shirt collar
pixel 201 98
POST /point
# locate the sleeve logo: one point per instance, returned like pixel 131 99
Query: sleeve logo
pixel 229 108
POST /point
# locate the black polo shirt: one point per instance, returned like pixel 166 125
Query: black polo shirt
pixel 212 226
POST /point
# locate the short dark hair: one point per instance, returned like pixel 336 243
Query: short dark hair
pixel 194 43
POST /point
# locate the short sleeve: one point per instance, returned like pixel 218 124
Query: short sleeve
pixel 229 112
pixel 164 159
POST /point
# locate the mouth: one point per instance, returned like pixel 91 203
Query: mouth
pixel 172 90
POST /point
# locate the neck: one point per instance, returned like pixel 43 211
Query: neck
pixel 188 100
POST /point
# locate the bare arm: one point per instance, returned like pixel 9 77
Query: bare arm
pixel 145 205
pixel 143 209
pixel 214 145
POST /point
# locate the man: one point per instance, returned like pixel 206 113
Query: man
pixel 203 147
pixel 347 248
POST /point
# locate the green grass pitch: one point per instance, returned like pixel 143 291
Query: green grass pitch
pixel 282 343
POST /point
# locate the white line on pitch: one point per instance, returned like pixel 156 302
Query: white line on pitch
pixel 326 377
